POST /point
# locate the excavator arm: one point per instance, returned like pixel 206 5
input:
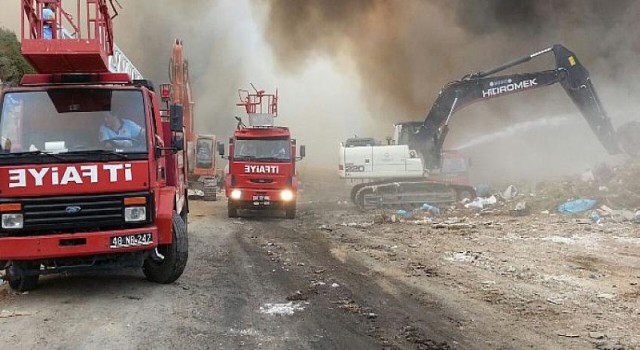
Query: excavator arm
pixel 572 76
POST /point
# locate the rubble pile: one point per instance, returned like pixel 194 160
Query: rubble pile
pixel 602 194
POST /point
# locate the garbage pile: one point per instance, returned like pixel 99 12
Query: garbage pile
pixel 603 194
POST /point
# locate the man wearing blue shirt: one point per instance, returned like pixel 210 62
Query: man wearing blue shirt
pixel 48 16
pixel 119 132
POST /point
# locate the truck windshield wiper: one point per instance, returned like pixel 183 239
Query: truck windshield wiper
pixel 31 153
pixel 99 151
pixel 245 157
pixel 275 159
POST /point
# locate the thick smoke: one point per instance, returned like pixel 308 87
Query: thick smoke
pixel 405 51
pixel 146 31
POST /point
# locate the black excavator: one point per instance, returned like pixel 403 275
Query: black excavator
pixel 395 189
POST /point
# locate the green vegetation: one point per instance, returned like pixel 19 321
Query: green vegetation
pixel 12 65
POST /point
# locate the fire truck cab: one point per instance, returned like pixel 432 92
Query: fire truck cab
pixel 92 164
pixel 262 158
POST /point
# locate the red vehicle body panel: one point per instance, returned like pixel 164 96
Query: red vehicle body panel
pixel 50 246
pixel 76 178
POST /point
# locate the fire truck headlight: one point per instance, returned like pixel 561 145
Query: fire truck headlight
pixel 286 195
pixel 12 221
pixel 236 194
pixel 135 214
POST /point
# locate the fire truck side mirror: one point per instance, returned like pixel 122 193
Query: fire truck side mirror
pixel 303 151
pixel 177 143
pixel 221 148
pixel 177 122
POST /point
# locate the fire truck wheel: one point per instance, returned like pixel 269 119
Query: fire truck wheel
pixel 18 281
pixel 290 211
pixel 232 210
pixel 169 264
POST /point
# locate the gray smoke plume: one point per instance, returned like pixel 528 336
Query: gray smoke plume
pixel 146 31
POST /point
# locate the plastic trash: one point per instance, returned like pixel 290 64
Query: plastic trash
pixel 510 192
pixel 594 216
pixel 401 212
pixel 577 206
pixel 431 208
pixel 480 203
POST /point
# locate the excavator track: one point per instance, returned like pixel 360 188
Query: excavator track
pixel 407 194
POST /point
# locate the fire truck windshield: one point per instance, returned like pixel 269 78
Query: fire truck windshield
pixel 262 150
pixel 74 121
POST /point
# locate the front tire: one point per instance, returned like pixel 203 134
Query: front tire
pixel 232 210
pixel 17 279
pixel 290 210
pixel 169 267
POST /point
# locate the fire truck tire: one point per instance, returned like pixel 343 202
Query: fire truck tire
pixel 232 210
pixel 18 281
pixel 290 211
pixel 175 256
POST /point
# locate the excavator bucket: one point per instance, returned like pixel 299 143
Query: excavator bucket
pixel 628 138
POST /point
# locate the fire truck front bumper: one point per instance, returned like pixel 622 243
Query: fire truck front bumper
pixel 78 244
pixel 261 199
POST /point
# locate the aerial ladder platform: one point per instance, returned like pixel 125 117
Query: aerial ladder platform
pixel 81 40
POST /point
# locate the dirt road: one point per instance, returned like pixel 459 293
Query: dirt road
pixel 336 278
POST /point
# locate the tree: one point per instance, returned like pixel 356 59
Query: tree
pixel 12 65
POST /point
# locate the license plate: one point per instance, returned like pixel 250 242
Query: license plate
pixel 261 200
pixel 140 239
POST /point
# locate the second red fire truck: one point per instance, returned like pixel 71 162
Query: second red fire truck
pixel 262 159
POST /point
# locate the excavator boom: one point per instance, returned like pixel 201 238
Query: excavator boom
pixel 456 95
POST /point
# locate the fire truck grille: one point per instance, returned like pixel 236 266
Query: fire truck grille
pixel 70 214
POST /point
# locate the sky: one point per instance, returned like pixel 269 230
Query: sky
pixel 345 68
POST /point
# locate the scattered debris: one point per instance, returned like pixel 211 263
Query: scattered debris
pixel 350 306
pixel 287 309
pixel 481 203
pixel 577 206
pixel 298 296
pixel 520 209
pixel 510 192
pixel 606 296
pixel 326 228
pixel 569 334
pixel 9 314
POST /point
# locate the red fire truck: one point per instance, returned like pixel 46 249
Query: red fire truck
pixel 262 159
pixel 92 164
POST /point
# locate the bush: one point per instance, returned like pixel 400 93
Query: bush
pixel 12 65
